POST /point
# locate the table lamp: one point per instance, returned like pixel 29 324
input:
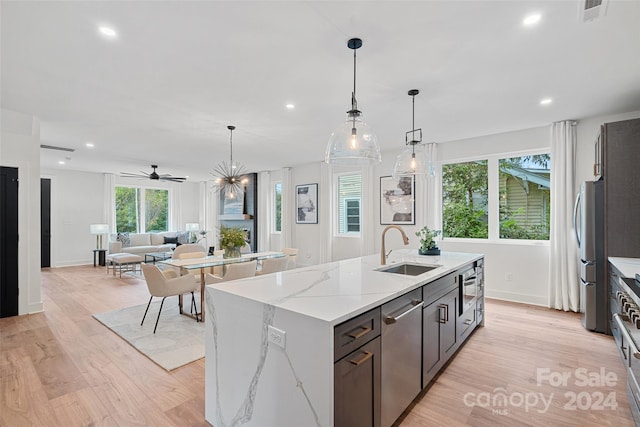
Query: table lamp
pixel 99 230
pixel 192 227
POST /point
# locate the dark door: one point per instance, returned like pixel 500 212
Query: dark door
pixel 45 222
pixel 357 387
pixel 8 241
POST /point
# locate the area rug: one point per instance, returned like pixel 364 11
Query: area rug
pixel 179 339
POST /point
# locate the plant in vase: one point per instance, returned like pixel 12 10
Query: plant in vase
pixel 231 240
pixel 428 245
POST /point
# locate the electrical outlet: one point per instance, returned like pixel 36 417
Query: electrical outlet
pixel 508 277
pixel 277 336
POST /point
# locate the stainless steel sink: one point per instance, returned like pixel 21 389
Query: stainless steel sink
pixel 408 269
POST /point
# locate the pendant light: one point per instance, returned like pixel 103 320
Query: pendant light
pixel 413 160
pixel 231 179
pixel 353 143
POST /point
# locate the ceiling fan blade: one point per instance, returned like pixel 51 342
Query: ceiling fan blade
pixel 173 179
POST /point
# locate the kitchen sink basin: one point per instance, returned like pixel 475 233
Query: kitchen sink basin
pixel 408 269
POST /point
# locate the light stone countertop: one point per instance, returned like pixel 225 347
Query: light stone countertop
pixel 337 291
pixel 627 266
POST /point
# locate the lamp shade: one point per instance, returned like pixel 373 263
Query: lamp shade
pixel 99 228
pixel 411 161
pixel 353 143
pixel 192 226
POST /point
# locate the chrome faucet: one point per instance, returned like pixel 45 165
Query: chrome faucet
pixel 405 239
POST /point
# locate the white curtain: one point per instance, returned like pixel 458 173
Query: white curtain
pixel 564 287
pixel 325 218
pixel 110 201
pixel 265 208
pixel 175 212
pixel 367 219
pixel 287 207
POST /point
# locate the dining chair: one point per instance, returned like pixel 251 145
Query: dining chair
pixel 167 284
pixel 293 255
pixel 235 271
pixel 273 265
pixel 179 252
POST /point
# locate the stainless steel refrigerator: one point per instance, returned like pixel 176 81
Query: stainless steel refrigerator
pixel 588 223
pixel 607 217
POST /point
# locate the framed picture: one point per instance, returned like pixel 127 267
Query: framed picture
pixel 307 204
pixel 397 202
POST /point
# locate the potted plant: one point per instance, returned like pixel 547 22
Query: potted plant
pixel 231 240
pixel 428 245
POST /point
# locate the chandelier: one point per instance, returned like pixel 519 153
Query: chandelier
pixel 230 176
pixel 353 142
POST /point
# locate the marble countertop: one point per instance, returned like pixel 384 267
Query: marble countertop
pixel 337 291
pixel 627 266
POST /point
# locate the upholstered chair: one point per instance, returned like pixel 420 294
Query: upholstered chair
pixel 239 270
pixel 166 285
pixel 293 256
pixel 273 265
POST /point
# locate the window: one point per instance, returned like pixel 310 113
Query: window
pixel 501 197
pixel 140 210
pixel 278 207
pixel 464 200
pixel 349 196
pixel 525 197
pixel 352 215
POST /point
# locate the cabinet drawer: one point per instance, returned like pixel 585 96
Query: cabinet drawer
pixel 466 322
pixel 351 334
pixel 438 288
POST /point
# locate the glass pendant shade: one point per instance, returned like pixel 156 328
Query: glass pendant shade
pixel 353 143
pixel 412 161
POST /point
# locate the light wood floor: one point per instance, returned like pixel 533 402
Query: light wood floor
pixel 63 368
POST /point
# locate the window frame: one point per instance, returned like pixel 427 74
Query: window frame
pixel 143 203
pixel 274 229
pixel 493 202
pixel 337 232
pixel 346 214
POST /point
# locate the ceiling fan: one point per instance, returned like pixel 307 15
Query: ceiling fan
pixel 153 176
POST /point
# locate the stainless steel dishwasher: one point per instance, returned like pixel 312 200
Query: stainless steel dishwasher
pixel 401 354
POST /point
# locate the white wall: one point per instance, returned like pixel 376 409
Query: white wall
pixel 514 271
pixel 77 200
pixel 20 148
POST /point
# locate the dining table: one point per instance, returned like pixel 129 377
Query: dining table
pixel 204 263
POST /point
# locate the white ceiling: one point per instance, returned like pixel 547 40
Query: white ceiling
pixel 164 91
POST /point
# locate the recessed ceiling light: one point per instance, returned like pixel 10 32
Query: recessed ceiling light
pixel 290 106
pixel 60 162
pixel 546 101
pixel 532 19
pixel 107 31
pixel 89 144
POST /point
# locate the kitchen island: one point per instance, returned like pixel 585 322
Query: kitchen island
pixel 270 348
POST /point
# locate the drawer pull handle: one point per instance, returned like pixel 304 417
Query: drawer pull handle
pixel 443 318
pixel 468 321
pixel 367 356
pixel 363 331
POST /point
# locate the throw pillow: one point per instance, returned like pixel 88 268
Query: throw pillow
pixel 170 240
pixel 125 239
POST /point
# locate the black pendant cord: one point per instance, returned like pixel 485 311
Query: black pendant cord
pixel 413 123
pixel 231 129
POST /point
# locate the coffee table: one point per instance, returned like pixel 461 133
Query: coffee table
pixel 157 256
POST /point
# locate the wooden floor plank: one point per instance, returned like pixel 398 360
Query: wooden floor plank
pixel 62 367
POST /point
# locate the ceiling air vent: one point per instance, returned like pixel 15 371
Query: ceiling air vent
pixel 53 147
pixel 590 10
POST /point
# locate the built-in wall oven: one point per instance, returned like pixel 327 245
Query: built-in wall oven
pixel 469 281
pixel 625 328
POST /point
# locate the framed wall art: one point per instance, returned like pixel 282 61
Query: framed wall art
pixel 397 200
pixel 307 204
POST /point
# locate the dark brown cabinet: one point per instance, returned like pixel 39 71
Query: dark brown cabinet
pixel 357 387
pixel 439 334
pixel 357 356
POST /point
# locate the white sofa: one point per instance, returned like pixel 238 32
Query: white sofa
pixel 141 243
